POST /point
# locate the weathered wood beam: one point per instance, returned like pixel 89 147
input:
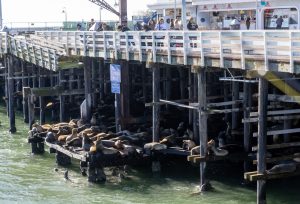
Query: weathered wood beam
pixel 279 132
pixel 262 139
pixel 279 146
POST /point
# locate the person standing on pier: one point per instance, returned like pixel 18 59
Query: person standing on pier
pixel 279 22
pixel 192 25
pixel 248 23
pixel 161 25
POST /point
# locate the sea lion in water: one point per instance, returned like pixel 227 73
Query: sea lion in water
pixel 282 168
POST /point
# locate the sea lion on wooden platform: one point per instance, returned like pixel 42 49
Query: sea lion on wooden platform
pixel 188 144
pixel 297 159
pixel 282 168
pixel 169 141
pixel 72 136
pixel 38 127
pixel 105 150
pixel 195 150
pixel 50 136
pixel 155 146
pixel 87 143
pixel 73 123
pixel 211 145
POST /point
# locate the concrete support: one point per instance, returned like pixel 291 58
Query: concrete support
pixel 262 138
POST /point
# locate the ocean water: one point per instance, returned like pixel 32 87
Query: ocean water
pixel 27 178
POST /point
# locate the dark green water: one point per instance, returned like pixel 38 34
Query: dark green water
pixel 26 178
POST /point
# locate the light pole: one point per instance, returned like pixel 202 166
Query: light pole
pixel 1 15
pixel 175 9
pixel 100 14
pixel 65 12
pixel 183 14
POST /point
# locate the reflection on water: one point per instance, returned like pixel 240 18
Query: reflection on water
pixel 26 178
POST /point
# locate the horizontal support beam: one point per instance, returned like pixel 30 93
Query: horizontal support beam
pixel 277 112
pixel 81 157
pixel 279 146
pixel 272 118
pixel 279 132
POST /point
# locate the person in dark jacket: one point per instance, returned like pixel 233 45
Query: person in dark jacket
pixel 192 25
pixel 279 22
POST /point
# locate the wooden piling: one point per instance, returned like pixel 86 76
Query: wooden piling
pixel 6 84
pixel 202 122
pixel 235 97
pixel 41 98
pixel 61 97
pixel 156 106
pixel 195 112
pixel 88 88
pixel 11 98
pixel 125 93
pixel 262 138
pixel 191 96
pixel 101 79
pixel 93 82
pixel 247 133
pixel 24 84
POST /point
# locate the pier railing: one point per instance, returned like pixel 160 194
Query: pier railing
pixel 248 50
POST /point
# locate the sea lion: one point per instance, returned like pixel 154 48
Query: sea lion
pixel 195 150
pixel 72 136
pixel 155 146
pixel 297 159
pixel 38 127
pixel 73 123
pixel 282 168
pixel 169 141
pixel 50 137
pixel 188 144
pixel 87 143
pixel 105 150
pixel 46 127
pixel 211 145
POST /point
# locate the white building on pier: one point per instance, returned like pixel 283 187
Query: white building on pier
pixel 217 14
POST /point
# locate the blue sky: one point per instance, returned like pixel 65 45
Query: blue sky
pixel 51 10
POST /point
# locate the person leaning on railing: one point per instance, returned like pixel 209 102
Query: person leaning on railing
pixel 192 25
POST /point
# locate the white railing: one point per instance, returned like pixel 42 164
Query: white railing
pixel 39 55
pixel 259 50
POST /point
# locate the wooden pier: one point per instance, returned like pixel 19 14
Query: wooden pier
pixel 233 91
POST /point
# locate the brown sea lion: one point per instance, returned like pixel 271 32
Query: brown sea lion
pixel 72 136
pixel 188 144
